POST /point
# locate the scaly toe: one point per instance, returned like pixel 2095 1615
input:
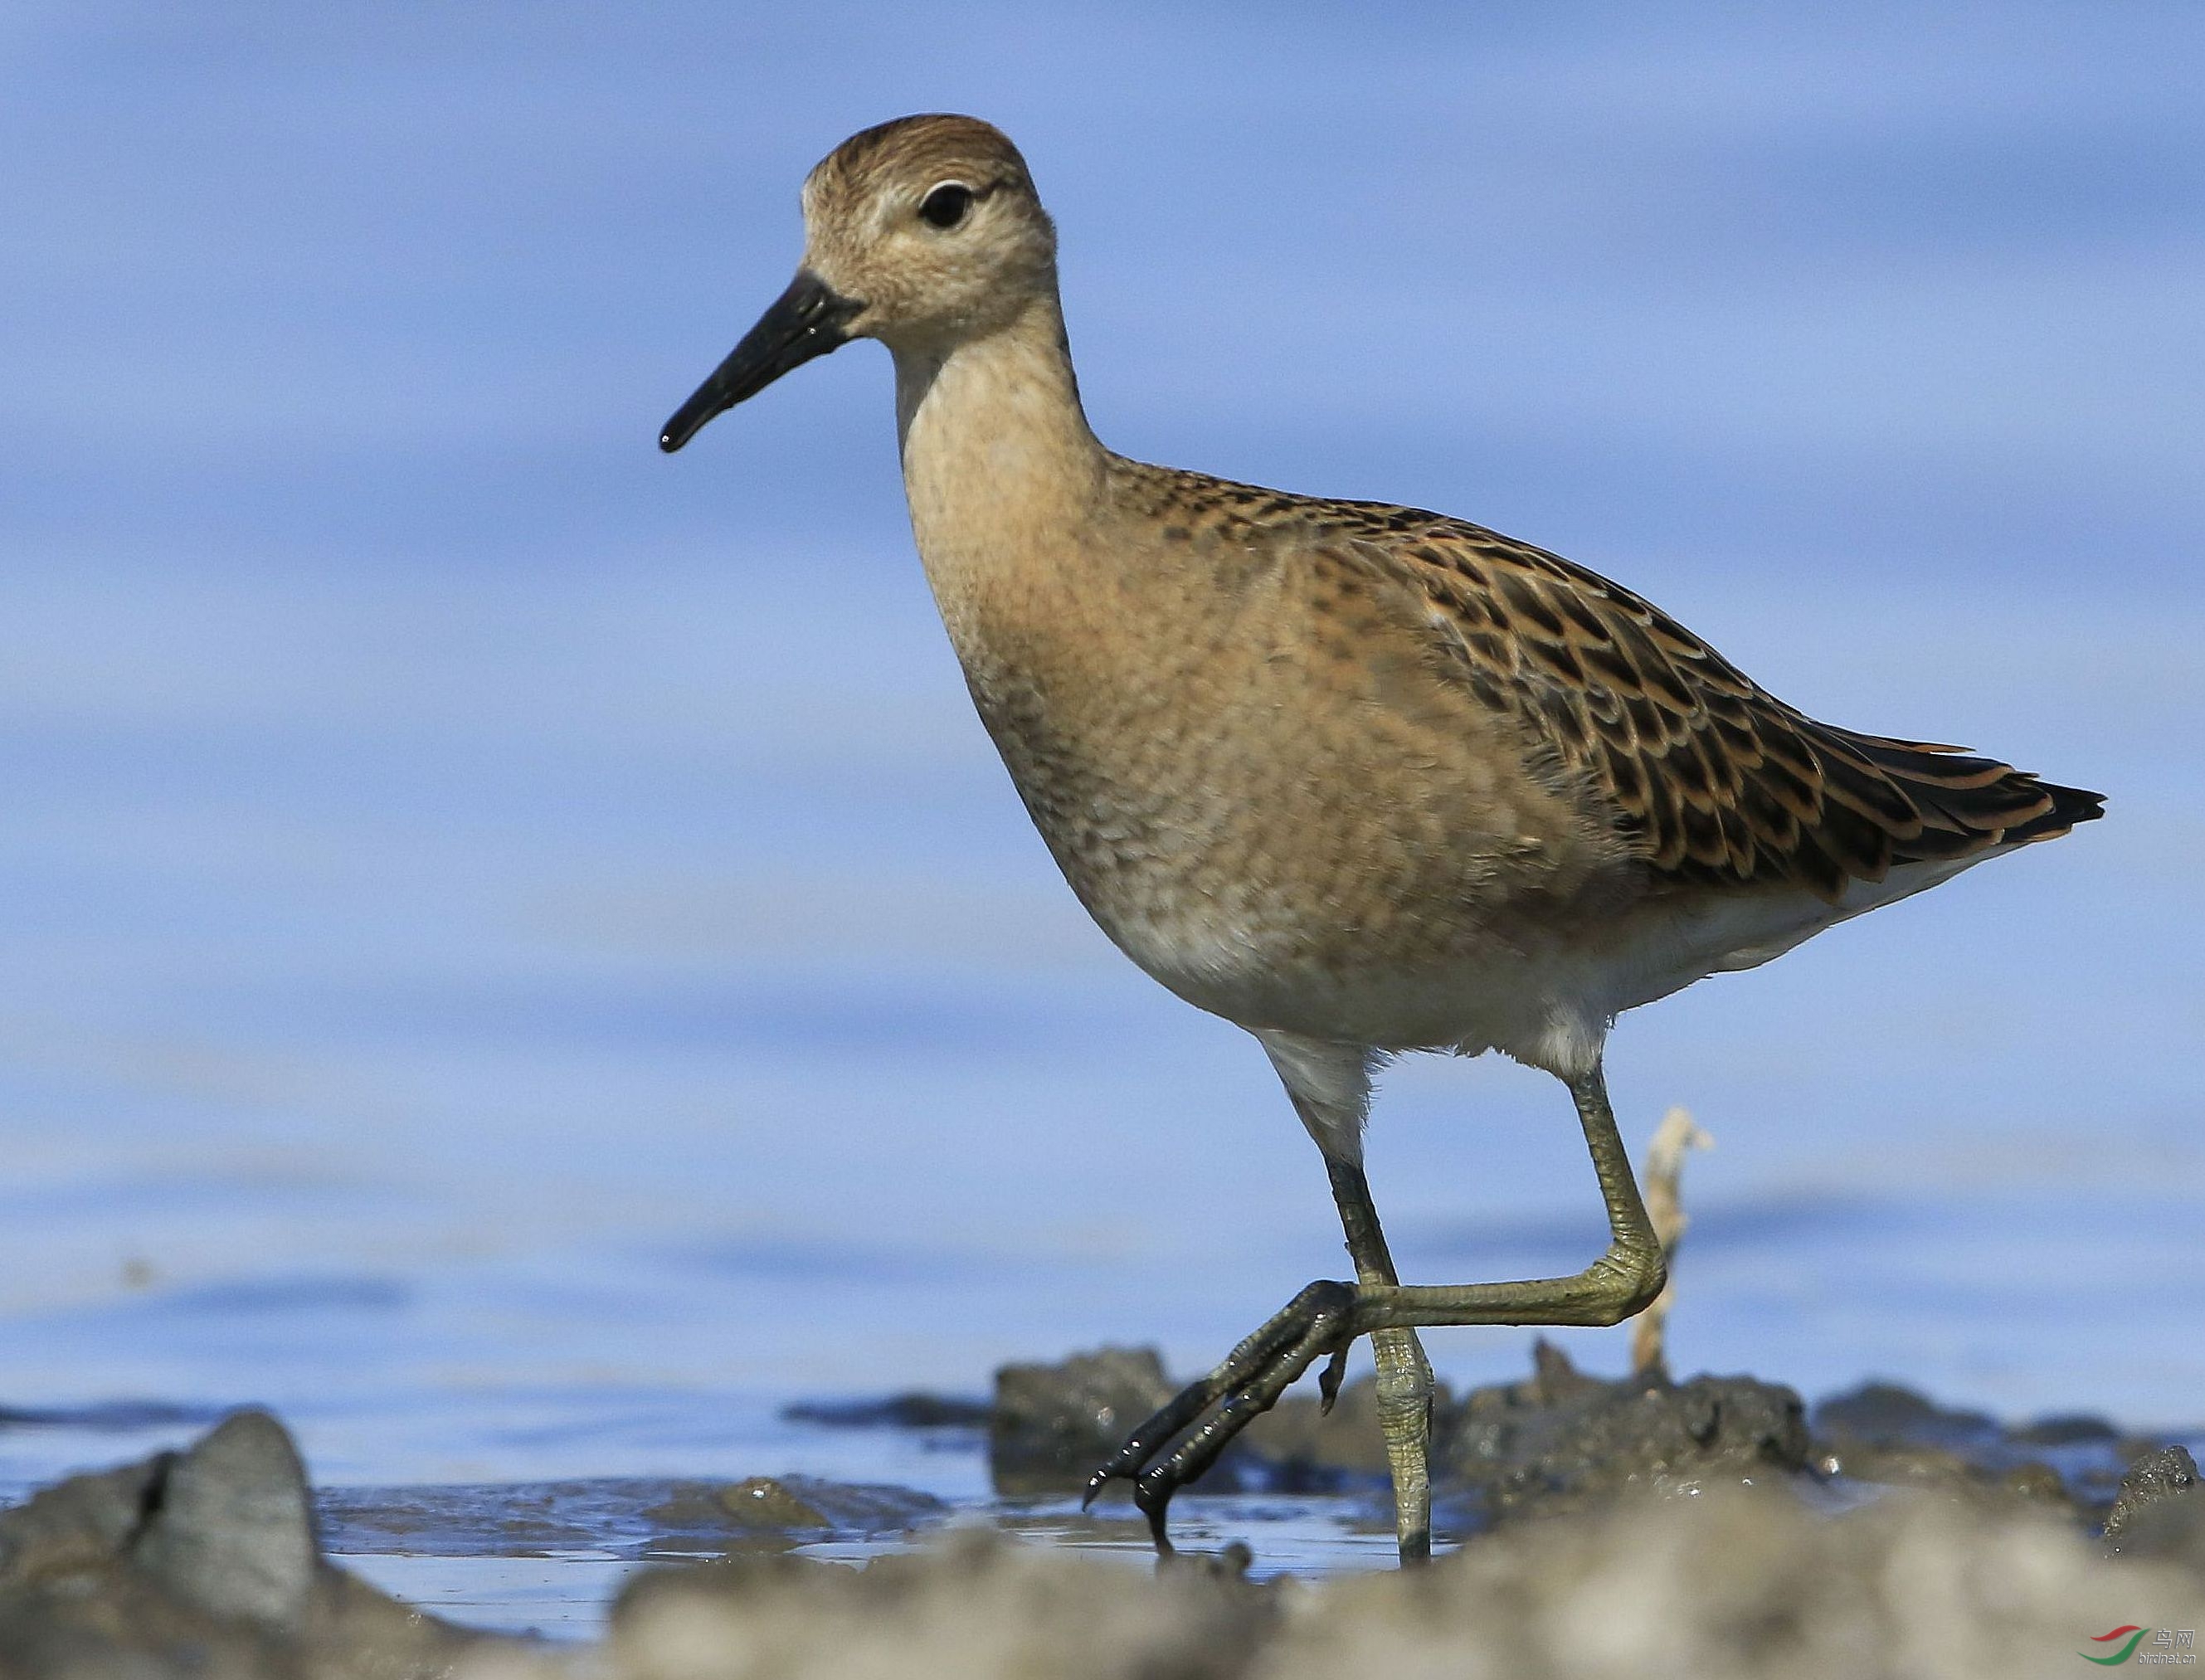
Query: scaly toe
pixel 1319 1320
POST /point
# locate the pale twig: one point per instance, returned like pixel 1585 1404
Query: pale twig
pixel 1665 1166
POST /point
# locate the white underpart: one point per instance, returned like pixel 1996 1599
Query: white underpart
pixel 1658 949
pixel 1669 946
pixel 1330 1085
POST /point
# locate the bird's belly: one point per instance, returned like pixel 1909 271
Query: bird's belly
pixel 1482 992
pixel 1351 891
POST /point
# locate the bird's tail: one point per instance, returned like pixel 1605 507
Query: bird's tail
pixel 1968 802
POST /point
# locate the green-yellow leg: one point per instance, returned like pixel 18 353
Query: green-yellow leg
pixel 1326 1317
pixel 1405 1375
pixel 1619 1283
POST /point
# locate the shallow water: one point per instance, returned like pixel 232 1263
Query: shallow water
pixel 521 1554
pixel 562 1592
pixel 514 952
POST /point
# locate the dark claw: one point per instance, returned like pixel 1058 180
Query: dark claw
pixel 1155 1506
pixel 1181 1409
pixel 1328 1382
pixel 1321 1320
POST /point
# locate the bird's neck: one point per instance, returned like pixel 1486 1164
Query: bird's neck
pixel 999 464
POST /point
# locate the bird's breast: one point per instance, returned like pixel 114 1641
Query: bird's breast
pixel 1266 819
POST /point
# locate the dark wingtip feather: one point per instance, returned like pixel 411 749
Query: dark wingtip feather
pixel 2070 806
pixel 1978 795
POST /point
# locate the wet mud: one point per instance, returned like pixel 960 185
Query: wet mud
pixel 1716 1525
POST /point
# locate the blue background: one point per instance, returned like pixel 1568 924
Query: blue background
pixel 514 948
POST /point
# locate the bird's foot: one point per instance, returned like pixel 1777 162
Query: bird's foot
pixel 1320 1320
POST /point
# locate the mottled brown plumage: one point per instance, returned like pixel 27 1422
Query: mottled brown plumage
pixel 1715 781
pixel 1362 778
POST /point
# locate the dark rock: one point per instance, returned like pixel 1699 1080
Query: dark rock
pixel 1934 1469
pixel 897 1411
pixel 2037 1483
pixel 2170 1531
pixel 796 1504
pixel 2066 1429
pixel 1881 1432
pixel 1555 1378
pixel 1556 1438
pixel 629 1517
pixel 81 1524
pixel 1296 1447
pixel 975 1606
pixel 758 1502
pixel 2159 1511
pixel 233 1532
pixel 1883 1414
pixel 1564 1439
pixel 1896 1465
pixel 198 1566
pixel 1729 1584
pixel 1051 1425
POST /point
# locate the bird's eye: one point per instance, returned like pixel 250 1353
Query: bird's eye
pixel 945 206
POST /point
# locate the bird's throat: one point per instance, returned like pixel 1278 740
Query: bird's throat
pixel 998 459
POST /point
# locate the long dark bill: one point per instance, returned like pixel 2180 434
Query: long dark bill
pixel 807 320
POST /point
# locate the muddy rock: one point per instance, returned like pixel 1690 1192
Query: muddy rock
pixel 1559 1438
pixel 202 1563
pixel 2067 1429
pixel 233 1532
pixel 1955 1474
pixel 797 1506
pixel 1885 1434
pixel 628 1516
pixel 1562 1438
pixel 1730 1587
pixel 911 1411
pixel 1724 1587
pixel 1884 1414
pixel 976 1606
pixel 2168 1473
pixel 82 1523
pixel 2160 1513
pixel 1051 1425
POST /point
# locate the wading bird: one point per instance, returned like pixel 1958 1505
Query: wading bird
pixel 1361 779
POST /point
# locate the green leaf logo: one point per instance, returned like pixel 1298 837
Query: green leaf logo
pixel 2129 1631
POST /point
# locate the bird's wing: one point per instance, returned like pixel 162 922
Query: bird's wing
pixel 1713 778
